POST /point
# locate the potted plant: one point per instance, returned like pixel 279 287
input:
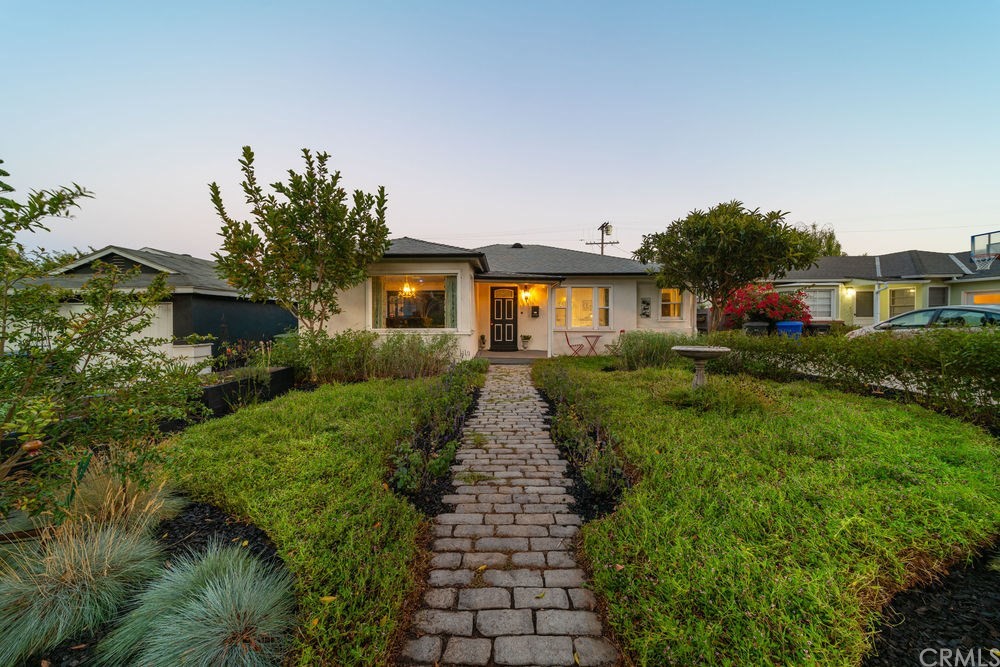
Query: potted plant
pixel 525 340
pixel 482 341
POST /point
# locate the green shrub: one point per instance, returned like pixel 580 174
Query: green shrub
pixel 400 355
pixel 222 607
pixel 648 349
pixel 949 370
pixel 428 453
pixel 355 356
pixel 75 579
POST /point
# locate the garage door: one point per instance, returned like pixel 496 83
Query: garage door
pixel 991 298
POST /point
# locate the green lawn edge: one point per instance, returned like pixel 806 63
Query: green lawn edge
pixel 771 521
pixel 309 469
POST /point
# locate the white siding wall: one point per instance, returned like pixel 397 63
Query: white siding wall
pixel 625 298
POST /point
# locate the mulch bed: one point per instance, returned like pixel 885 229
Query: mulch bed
pixel 961 610
pixel 586 504
pixel 194 528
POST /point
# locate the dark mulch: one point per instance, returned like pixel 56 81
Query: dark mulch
pixel 960 611
pixel 587 503
pixel 197 525
pixel 428 498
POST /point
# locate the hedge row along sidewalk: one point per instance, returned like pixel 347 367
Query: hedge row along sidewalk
pixel 771 521
pixel 310 469
pixel 504 586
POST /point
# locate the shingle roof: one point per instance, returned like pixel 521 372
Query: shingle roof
pixel 894 266
pixel 184 271
pixel 540 260
pixel 408 248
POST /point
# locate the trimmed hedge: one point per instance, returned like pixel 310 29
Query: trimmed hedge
pixel 949 370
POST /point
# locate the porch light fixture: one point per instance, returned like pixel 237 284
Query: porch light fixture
pixel 526 294
pixel 850 292
pixel 407 291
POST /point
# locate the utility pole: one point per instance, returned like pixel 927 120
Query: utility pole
pixel 605 231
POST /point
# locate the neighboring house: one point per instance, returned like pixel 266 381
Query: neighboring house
pixel 864 290
pixel 489 297
pixel 201 303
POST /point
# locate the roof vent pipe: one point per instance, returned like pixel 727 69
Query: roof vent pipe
pixel 517 245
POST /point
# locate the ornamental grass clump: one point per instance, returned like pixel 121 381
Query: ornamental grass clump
pixel 103 496
pixel 72 580
pixel 222 607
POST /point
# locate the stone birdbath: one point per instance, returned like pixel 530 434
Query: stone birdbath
pixel 700 354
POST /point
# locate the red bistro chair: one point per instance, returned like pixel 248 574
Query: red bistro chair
pixel 576 347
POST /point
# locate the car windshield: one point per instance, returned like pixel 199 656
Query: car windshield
pixel 918 318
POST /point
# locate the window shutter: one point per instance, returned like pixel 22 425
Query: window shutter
pixel 378 303
pixel 451 301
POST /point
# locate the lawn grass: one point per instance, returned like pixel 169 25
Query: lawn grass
pixel 309 469
pixel 771 521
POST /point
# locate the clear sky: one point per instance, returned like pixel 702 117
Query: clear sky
pixel 514 121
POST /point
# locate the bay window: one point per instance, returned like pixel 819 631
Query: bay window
pixel 582 307
pixel 414 302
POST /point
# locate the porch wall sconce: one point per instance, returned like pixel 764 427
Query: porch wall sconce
pixel 526 295
pixel 850 292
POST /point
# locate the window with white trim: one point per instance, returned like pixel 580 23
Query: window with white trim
pixel 820 302
pixel 937 295
pixel 670 303
pixel 902 300
pixel 582 307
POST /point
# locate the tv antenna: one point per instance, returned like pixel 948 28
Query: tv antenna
pixel 605 229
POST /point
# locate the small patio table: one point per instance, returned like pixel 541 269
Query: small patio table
pixel 592 342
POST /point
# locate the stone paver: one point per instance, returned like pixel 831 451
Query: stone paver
pixel 504 586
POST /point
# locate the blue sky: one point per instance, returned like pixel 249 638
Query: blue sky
pixel 514 121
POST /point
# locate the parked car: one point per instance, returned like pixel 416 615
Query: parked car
pixel 947 316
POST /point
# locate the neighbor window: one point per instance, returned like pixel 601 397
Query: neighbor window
pixel 820 302
pixel 937 296
pixel 864 304
pixel 582 307
pixel 902 301
pixel 670 303
pixel 414 302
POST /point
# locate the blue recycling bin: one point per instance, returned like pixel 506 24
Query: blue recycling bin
pixel 792 329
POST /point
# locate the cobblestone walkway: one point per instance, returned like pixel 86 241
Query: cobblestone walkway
pixel 504 586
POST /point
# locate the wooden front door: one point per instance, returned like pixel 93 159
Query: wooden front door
pixel 503 319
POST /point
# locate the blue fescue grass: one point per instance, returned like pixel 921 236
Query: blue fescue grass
pixel 72 581
pixel 220 607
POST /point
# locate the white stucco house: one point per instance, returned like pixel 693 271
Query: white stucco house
pixel 567 301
